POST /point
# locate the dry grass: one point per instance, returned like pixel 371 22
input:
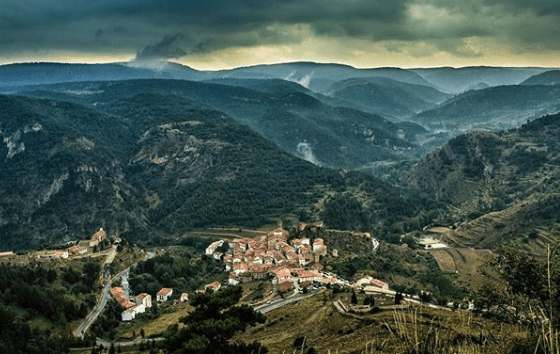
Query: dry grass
pixel 416 330
pixel 159 325
pixel 472 266
pixel 444 260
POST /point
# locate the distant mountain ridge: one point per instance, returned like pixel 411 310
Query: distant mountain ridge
pixel 551 77
pixel 315 76
pixel 300 121
pixel 387 97
pixel 495 108
pixel 457 80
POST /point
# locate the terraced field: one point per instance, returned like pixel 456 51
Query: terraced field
pixel 470 267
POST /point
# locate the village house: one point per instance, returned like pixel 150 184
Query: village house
pixel 319 247
pixel 306 276
pixel 213 247
pixel 130 314
pixel 240 267
pixel 77 250
pixel 164 294
pixel 215 286
pixel 259 271
pixel 379 284
pixel 131 309
pixel 184 297
pixel 144 299
pixel 233 279
pixel 283 275
pixel 97 237
pixel 119 296
pixel 276 236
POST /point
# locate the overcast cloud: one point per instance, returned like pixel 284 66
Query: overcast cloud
pixel 335 30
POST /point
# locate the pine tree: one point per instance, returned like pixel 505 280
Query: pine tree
pixel 354 298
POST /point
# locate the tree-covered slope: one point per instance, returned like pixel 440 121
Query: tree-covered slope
pixel 387 97
pixel 505 185
pixel 155 163
pixel 495 108
pixel 285 113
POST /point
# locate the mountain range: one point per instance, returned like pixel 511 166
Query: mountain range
pixel 157 148
pixel 153 163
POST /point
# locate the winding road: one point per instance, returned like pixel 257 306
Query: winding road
pixel 103 298
pixel 101 302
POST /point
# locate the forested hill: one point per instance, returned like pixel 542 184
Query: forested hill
pixel 494 108
pixel 160 164
pixel 303 123
pixel 505 183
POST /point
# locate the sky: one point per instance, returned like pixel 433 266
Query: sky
pixel 219 34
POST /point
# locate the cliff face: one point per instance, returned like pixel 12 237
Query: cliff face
pixel 61 175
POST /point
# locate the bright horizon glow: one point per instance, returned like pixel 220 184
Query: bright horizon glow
pixel 213 66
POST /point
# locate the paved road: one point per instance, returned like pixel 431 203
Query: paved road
pixel 273 305
pixel 102 301
pixel 107 343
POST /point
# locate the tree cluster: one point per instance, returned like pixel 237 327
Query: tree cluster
pixel 213 323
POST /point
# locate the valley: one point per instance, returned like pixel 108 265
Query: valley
pixel 354 209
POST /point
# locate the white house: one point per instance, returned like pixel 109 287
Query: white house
pixel 130 314
pixel 164 294
pixel 184 297
pixel 233 279
pixel 213 247
pixel 144 299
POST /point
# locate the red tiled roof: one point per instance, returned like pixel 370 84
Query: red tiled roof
pixel 282 272
pixel 165 291
pixel 118 295
pixel 318 241
pixel 99 235
pixel 258 268
pixel 278 233
pixel 308 274
pixel 378 283
pixel 240 266
pixel 141 296
pixel 214 285
pixel 317 266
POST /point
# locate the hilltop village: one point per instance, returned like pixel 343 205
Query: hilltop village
pixel 292 264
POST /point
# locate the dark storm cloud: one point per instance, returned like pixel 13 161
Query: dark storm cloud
pixel 54 24
pixel 177 28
